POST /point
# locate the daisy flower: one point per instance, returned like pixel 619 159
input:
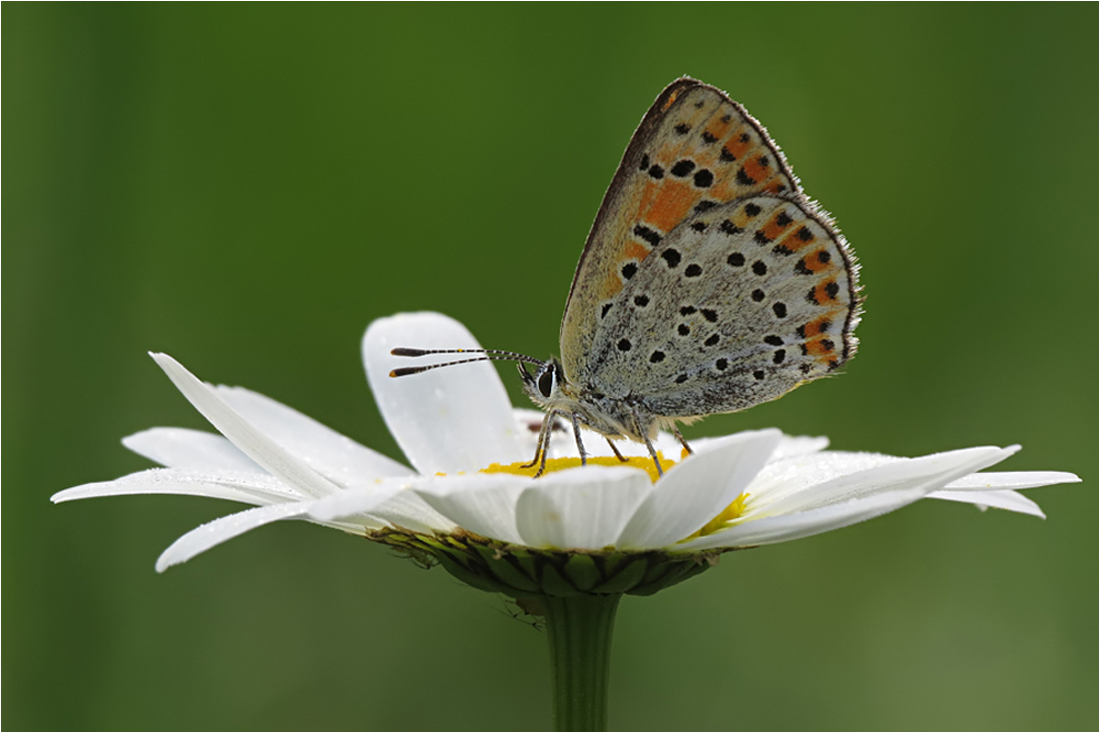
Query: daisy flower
pixel 603 528
pixel 566 545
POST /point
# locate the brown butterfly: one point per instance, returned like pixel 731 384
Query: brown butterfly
pixel 709 283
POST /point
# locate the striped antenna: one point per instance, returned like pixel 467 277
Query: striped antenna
pixel 486 355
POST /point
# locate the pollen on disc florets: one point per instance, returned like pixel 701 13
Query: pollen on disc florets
pixel 560 464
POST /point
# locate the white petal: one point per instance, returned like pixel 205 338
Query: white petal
pixel 991 489
pixel 195 450
pixel 214 533
pixel 445 420
pixel 665 443
pixel 250 488
pixel 1009 500
pixel 388 502
pixel 328 452
pixel 789 445
pixel 257 446
pixel 1012 480
pixel 408 511
pixel 795 526
pixel 786 477
pixel 353 503
pixel 697 489
pixel 851 498
pixel 482 504
pixel 928 473
pixel 582 508
pixel 798 445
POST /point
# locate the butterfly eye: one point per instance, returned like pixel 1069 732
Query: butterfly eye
pixel 546 381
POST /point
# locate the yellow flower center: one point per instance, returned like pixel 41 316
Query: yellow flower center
pixel 560 464
pixel 730 513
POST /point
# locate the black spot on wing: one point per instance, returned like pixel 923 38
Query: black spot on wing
pixel 682 168
pixel 648 235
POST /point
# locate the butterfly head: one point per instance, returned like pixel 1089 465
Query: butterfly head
pixel 544 386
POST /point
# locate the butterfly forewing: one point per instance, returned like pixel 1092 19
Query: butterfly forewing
pixel 738 305
pixel 694 150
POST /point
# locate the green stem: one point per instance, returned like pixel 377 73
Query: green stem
pixel 579 629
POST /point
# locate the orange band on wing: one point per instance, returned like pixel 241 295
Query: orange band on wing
pixel 819 326
pixel 740 142
pixel 822 346
pixel 635 251
pixel 824 293
pixel 671 206
pixel 756 170
pixel 779 223
pixel 815 262
pixel 718 128
pixel 798 238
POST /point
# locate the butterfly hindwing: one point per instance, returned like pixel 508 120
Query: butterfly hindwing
pixel 736 306
pixel 695 149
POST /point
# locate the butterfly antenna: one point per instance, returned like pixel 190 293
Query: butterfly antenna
pixel 486 355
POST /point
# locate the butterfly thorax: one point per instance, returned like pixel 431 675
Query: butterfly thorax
pixel 615 416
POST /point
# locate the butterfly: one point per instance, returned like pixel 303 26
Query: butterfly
pixel 709 283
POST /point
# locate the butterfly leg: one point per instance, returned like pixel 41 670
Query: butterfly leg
pixel 618 455
pixel 642 429
pixel 680 437
pixel 542 444
pixel 653 455
pixel 542 456
pixel 577 437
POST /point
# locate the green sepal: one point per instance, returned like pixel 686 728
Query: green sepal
pixel 613 560
pixel 499 566
pixel 429 541
pixel 471 578
pixel 553 584
pixel 675 572
pixel 657 572
pixel 528 561
pixel 582 572
pixel 522 572
pixel 622 581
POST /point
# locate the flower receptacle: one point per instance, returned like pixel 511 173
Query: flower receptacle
pixel 524 572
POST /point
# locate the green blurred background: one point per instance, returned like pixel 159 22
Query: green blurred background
pixel 247 187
